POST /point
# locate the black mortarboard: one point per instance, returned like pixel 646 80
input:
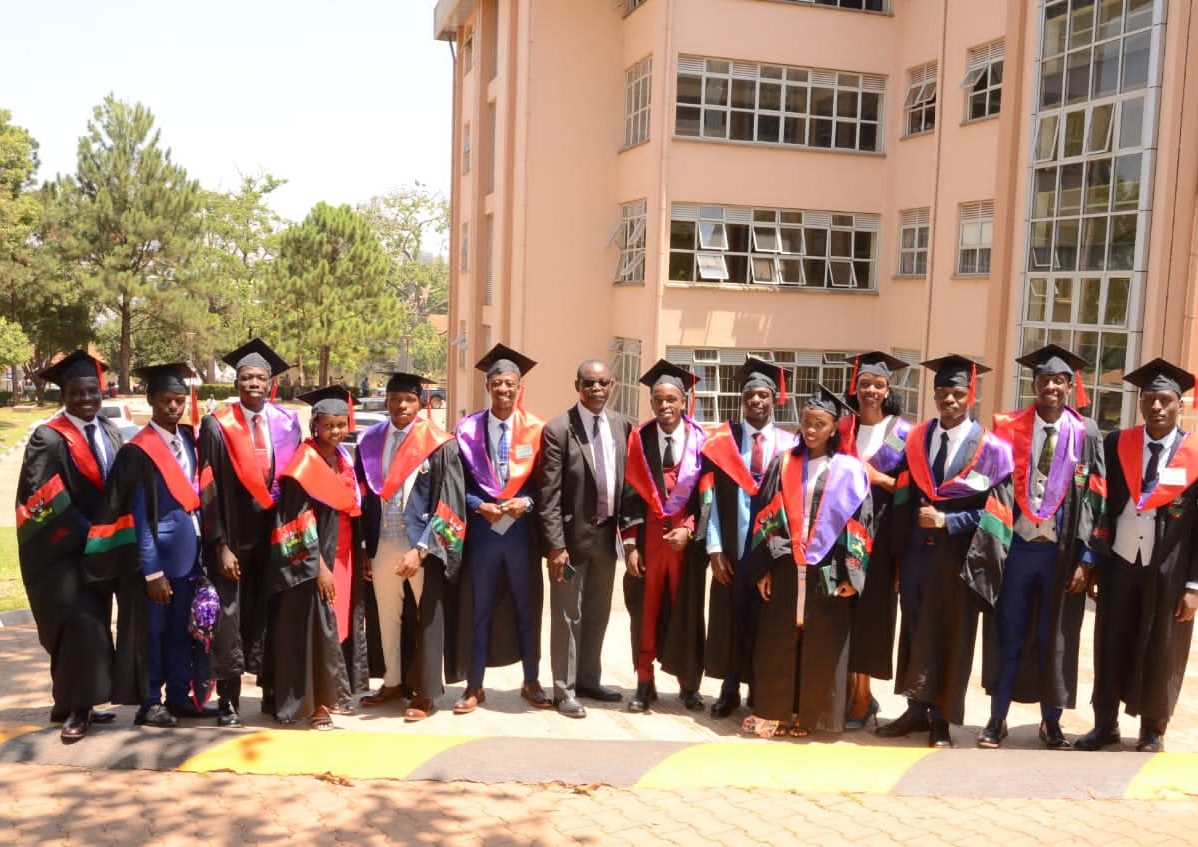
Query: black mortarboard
pixel 76 365
pixel 330 400
pixel 758 373
pixel 876 363
pixel 172 377
pixel 1053 359
pixel 503 359
pixel 827 400
pixel 956 371
pixel 256 353
pixel 1160 375
pixel 671 374
pixel 411 383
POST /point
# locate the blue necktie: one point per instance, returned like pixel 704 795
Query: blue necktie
pixel 90 430
pixel 502 450
pixel 602 513
pixel 1152 472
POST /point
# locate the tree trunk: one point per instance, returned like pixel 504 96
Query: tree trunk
pixel 126 353
pixel 324 365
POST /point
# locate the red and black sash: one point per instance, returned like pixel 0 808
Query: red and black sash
pixel 80 450
pixel 240 444
pixel 314 475
pixel 1131 455
pixel 921 469
pixel 723 449
pixel 177 483
pixel 424 439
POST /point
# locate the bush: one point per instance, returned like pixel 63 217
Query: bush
pixel 216 390
pixel 6 398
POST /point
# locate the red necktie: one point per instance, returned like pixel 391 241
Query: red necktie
pixel 757 457
pixel 261 453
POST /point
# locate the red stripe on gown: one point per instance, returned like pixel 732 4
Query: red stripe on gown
pixel 343 574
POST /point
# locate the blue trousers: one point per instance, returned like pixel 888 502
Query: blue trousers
pixel 1029 573
pixel 170 648
pixel 493 558
pixel 914 579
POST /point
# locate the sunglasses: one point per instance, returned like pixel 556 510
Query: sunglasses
pixel 591 383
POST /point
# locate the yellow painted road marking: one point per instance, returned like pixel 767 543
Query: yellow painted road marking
pixel 349 754
pixel 788 767
pixel 9 731
pixel 1165 776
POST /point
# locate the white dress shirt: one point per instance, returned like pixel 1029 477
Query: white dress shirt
pixel 1135 531
pixel 101 438
pixel 608 446
pixel 249 422
pixel 956 437
pixel 678 436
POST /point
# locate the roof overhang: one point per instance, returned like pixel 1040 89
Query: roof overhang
pixel 448 17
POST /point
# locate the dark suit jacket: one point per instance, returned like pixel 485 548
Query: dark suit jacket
pixel 567 503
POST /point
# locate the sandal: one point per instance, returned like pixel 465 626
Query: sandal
pixel 321 720
pixel 796 731
pixel 760 727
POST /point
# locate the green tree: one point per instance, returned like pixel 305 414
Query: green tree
pixel 126 223
pixel 14 346
pixel 332 290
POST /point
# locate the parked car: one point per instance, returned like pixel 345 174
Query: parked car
pixel 121 416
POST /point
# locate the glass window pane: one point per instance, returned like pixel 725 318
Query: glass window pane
pixel 764 269
pixel 1055 24
pixel 1033 339
pixel 712 236
pixel 1093 257
pixel 867 137
pixel 1139 14
pixel 1135 61
pixel 821 133
pixel 744 93
pixel 687 120
pixel 1087 307
pixel 869 106
pixel 682 235
pixel 1065 249
pixel 794 131
pixel 738 238
pixel 1041 247
pixel 1046 138
pixel 813 272
pixel 1115 313
pixel 712 266
pixel 822 100
pixel 1062 300
pixel 1106 68
pixel 817 242
pixel 841 243
pixel 740 127
pixel 715 123
pixel 1110 18
pixel 1077 76
pixel 846 104
pixel 769 96
pixel 1122 243
pixel 1108 410
pixel 1075 132
pixel 863 274
pixel 1045 201
pixel 1098 185
pixel 1081 23
pixel 1037 298
pixel 765 239
pixel 1113 358
pixel 768 127
pixel 792 240
pixel 1131 123
pixel 1071 189
pixel 1052 80
pixel 1061 337
pixel 1087 348
pixel 796 98
pixel 792 271
pixel 1100 128
pixel 842 274
pixel 682 267
pixel 715 92
pixel 1127 182
pixel 690 89
pixel 846 135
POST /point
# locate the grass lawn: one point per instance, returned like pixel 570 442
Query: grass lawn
pixel 12 593
pixel 14 424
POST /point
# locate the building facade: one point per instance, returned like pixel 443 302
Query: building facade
pixel 803 179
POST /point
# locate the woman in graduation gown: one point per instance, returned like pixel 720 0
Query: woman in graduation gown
pixel 316 572
pixel 874 431
pixel 811 550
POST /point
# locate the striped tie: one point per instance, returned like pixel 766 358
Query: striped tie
pixel 502 451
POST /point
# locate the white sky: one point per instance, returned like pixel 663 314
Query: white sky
pixel 345 100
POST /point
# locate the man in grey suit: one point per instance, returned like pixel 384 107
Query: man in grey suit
pixel 582 475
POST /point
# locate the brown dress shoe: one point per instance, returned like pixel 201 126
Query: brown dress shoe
pixel 384 694
pixel 470 700
pixel 535 694
pixel 419 709
pixel 76 726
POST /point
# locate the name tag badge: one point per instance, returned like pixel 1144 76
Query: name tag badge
pixel 1173 476
pixel 523 451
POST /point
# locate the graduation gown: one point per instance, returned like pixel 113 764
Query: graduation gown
pixel 428 643
pixel 312 664
pixel 1160 645
pixel 144 486
pixel 58 492
pixel 725 476
pixel 1076 494
pixel 239 511
pixel 963 570
pixel 680 625
pixel 837 548
pixel 871 650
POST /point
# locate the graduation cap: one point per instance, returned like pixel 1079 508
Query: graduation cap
pixel 1160 375
pixel 668 373
pixel 331 400
pixel 76 365
pixel 1051 360
pixel 876 363
pixel 256 353
pixel 758 373
pixel 410 383
pixel 503 359
pixel 827 400
pixel 956 371
pixel 171 377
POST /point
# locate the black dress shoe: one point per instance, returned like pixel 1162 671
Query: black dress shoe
pixel 189 710
pixel 601 693
pixel 226 715
pixel 75 726
pixel 725 704
pixel 992 736
pixel 1053 738
pixel 690 699
pixel 155 715
pixel 570 707
pixel 102 716
pixel 1098 737
pixel 908 722
pixel 1150 741
pixel 641 699
pixel 58 715
pixel 939 736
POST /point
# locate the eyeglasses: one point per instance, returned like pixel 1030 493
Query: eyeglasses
pixel 591 383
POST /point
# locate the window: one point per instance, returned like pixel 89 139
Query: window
pixel 782 247
pixel 466 149
pixel 489 291
pixel 904 384
pixel 976 227
pixel 717 395
pixel 920 104
pixel 492 128
pixel 468 53
pixel 983 81
pixel 913 243
pixel 464 261
pixel 625 370
pixel 637 85
pixel 860 5
pixel 1090 212
pixel 630 237
pixel 771 104
pixel 632 5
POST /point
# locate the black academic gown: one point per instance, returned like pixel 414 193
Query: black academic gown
pixel 72 614
pixel 1056 684
pixel 814 666
pixel 1139 624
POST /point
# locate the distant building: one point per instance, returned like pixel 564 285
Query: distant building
pixel 801 179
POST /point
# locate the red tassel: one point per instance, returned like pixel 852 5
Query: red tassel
pixel 782 386
pixel 274 389
pixel 973 383
pixel 1083 399
pixel 350 403
pixel 195 407
pixel 100 377
pixel 853 378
